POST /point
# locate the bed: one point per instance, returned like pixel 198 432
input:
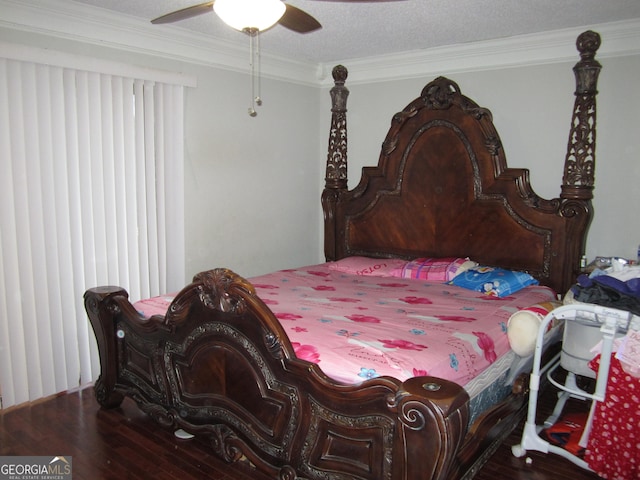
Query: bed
pixel 219 362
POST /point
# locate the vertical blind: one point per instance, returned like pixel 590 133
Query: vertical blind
pixel 91 193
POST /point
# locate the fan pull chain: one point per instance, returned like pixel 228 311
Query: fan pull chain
pixel 255 66
pixel 258 98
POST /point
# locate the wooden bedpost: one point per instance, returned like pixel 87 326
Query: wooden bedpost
pixel 101 306
pixel 336 173
pixel 579 166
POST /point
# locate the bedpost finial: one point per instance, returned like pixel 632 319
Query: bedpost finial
pixel 339 92
pixel 339 74
pixel 588 44
pixel 588 68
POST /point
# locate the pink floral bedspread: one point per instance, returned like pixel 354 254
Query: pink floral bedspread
pixel 358 327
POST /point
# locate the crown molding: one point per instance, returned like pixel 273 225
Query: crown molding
pixel 618 39
pixel 43 56
pixel 85 23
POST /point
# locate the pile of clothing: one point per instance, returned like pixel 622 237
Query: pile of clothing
pixel 616 288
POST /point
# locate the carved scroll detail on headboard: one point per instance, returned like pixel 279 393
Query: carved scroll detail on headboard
pixel 438 94
pixel 336 175
pixel 579 167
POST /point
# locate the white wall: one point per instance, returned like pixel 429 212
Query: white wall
pixel 253 184
pixel 532 108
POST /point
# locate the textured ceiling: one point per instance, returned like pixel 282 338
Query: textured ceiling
pixel 359 30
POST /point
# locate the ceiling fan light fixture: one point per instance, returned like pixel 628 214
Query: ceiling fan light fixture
pixel 246 15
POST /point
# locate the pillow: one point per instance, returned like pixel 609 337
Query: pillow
pixel 373 267
pixel 522 327
pixel 435 269
pixel 493 281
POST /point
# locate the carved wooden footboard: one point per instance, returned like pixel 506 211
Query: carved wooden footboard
pixel 220 365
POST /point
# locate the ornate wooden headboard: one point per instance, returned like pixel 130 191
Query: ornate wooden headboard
pixel 442 186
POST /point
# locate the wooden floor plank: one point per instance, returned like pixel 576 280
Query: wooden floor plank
pixel 125 443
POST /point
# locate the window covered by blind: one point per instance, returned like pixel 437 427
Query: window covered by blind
pixel 91 193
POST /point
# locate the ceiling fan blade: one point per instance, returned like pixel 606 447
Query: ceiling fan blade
pixel 184 13
pixel 298 20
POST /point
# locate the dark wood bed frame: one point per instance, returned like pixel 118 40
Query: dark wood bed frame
pixel 220 365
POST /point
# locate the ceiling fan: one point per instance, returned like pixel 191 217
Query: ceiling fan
pixel 253 17
pixel 291 17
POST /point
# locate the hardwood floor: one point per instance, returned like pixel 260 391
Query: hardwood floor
pixel 126 444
